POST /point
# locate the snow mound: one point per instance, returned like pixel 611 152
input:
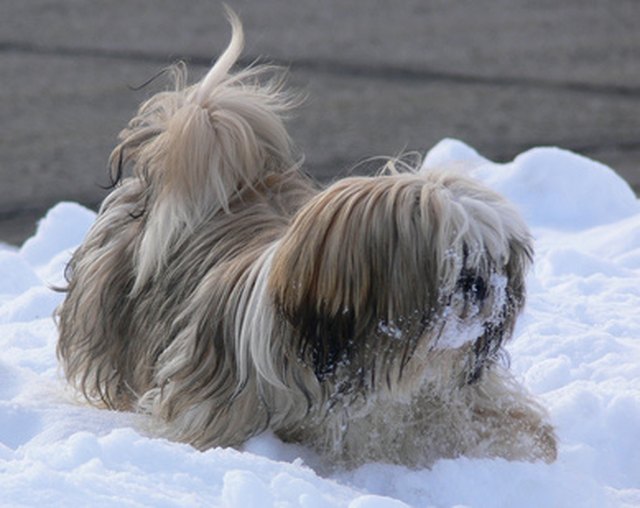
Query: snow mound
pixel 577 347
pixel 450 152
pixel 553 188
pixel 18 276
pixel 60 231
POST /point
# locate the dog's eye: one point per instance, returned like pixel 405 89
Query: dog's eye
pixel 473 285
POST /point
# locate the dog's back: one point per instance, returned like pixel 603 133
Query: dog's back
pixel 215 179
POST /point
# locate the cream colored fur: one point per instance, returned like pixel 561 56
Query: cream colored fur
pixel 221 292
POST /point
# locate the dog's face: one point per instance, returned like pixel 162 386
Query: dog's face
pixel 374 269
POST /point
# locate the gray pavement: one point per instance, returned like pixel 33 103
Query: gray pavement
pixel 380 77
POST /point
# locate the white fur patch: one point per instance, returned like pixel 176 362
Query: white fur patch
pixel 255 323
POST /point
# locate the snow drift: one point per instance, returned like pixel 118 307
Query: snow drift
pixel 577 347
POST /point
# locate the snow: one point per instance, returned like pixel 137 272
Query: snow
pixel 577 347
pixel 553 188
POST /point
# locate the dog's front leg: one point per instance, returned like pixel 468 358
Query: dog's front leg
pixel 507 421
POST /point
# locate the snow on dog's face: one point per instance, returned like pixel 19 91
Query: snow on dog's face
pixel 373 269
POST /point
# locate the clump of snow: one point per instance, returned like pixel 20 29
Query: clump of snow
pixel 390 329
pixel 577 347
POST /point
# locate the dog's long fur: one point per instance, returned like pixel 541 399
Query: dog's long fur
pixel 223 293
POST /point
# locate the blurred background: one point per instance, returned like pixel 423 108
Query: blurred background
pixel 381 77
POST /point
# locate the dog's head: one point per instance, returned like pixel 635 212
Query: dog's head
pixel 374 268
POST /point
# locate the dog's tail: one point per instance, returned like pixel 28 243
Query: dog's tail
pixel 196 147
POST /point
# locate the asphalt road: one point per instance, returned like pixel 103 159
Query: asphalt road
pixel 380 77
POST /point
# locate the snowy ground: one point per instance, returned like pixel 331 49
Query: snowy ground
pixel 577 347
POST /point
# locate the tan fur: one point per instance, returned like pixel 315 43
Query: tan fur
pixel 222 293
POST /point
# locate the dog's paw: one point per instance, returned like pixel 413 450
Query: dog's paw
pixel 537 436
pixel 546 444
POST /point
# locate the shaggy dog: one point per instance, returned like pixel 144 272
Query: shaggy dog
pixel 223 293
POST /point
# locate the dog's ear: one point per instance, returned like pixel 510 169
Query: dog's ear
pixel 358 273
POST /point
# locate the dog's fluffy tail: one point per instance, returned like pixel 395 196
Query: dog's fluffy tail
pixel 196 147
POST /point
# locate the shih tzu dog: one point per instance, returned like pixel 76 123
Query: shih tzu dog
pixel 223 293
